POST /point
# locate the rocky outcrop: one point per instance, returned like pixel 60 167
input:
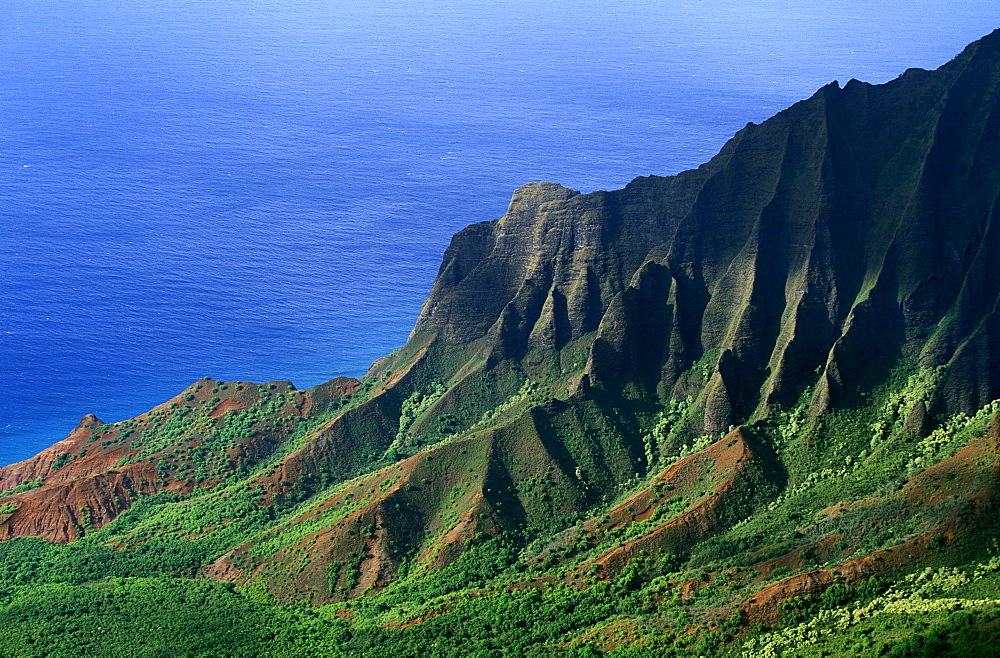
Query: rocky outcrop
pixel 544 273
pixel 67 510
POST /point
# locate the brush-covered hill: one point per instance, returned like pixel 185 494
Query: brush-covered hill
pixel 750 408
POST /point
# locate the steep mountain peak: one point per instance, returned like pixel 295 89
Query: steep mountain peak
pixel 825 239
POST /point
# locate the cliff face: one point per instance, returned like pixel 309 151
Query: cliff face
pixel 553 262
pixel 579 359
pixel 853 228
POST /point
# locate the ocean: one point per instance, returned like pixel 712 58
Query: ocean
pixel 259 190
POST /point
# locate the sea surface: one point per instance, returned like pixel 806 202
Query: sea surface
pixel 257 190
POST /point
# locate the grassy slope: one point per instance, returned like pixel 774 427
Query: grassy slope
pixel 813 545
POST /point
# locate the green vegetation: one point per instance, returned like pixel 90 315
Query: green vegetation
pixel 746 410
pixel 526 591
pixel 919 615
pixel 24 486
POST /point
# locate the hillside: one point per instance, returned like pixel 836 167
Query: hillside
pixel 747 409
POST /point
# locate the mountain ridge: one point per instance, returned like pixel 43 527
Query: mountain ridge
pixel 645 402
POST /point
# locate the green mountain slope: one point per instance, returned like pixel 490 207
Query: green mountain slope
pixel 750 408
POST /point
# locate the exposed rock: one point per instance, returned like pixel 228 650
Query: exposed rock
pixel 918 420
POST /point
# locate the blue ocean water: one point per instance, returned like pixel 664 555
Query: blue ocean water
pixel 258 190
